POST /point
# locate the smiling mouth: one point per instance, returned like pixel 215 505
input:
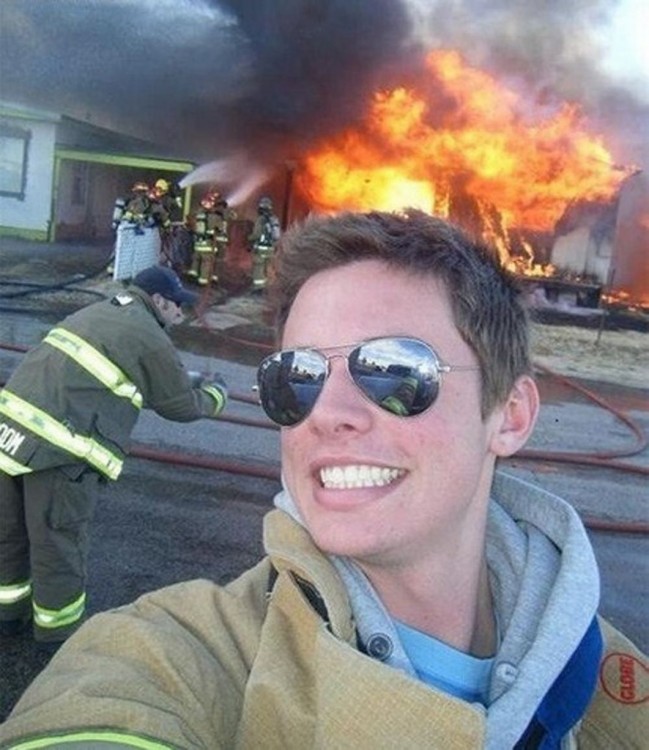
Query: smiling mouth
pixel 355 476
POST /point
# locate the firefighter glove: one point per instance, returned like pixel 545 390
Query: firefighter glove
pixel 218 390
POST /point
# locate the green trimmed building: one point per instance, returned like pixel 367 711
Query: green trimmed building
pixel 60 177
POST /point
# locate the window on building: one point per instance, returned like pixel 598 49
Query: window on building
pixel 14 145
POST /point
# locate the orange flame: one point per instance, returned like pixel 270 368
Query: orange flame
pixel 464 133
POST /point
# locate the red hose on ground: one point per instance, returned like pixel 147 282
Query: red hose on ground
pixel 14 347
pixel 206 462
pixel 273 472
pixel 598 458
pixel 601 459
pixel 642 440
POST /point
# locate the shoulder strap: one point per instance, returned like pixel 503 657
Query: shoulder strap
pixel 311 593
pixel 567 700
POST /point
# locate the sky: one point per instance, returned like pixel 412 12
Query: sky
pixel 265 78
pixel 628 52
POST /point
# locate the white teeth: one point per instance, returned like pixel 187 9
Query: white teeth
pixel 351 477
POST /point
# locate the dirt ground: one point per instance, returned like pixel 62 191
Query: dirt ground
pixel 619 357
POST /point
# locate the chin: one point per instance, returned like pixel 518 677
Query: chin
pixel 339 537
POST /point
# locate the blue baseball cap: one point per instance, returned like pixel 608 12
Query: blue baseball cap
pixel 165 282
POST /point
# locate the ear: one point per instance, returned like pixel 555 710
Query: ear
pixel 158 300
pixel 517 417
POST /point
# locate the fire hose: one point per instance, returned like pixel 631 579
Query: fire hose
pixel 31 288
pixel 599 459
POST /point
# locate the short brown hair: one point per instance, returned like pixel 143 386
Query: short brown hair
pixel 487 304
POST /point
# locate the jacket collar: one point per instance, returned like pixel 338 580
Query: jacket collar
pixel 148 303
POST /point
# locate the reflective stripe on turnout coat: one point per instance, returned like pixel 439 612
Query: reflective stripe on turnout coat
pixel 128 334
pixel 203 666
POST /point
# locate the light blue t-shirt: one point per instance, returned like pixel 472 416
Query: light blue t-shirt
pixel 444 667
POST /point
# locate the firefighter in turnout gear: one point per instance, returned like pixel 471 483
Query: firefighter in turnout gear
pixel 131 213
pixel 211 236
pixel 263 239
pixel 66 416
pixel 138 208
pixel 166 212
pixel 166 206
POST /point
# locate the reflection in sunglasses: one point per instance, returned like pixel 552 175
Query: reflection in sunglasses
pixel 399 374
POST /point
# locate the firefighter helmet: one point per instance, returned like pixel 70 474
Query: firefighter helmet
pixel 162 187
pixel 265 204
pixel 140 187
pixel 207 201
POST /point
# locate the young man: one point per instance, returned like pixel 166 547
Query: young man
pixel 69 409
pixel 410 597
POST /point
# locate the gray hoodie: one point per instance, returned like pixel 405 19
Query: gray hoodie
pixel 545 587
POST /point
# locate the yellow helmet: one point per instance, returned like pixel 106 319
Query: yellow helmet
pixel 162 186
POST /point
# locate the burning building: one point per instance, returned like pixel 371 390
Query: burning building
pixel 484 128
pixel 530 178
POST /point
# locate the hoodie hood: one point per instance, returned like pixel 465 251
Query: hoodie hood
pixel 545 586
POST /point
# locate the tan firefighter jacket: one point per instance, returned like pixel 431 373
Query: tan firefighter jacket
pixel 254 665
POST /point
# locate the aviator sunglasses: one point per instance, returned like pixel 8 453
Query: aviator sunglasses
pixel 400 374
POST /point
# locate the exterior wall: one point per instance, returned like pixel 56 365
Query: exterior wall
pixel 86 192
pixel 106 187
pixel 85 196
pixel 598 261
pixel 581 253
pixel 571 250
pixel 630 275
pixel 73 172
pixel 72 195
pixel 30 216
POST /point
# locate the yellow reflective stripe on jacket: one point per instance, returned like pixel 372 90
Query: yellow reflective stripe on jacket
pixel 15 592
pixel 58 618
pixel 11 467
pixel 98 365
pixel 108 737
pixel 217 395
pixel 56 433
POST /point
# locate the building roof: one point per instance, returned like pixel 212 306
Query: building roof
pixel 80 135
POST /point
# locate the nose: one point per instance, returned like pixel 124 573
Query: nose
pixel 341 407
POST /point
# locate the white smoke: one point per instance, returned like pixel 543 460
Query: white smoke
pixel 235 176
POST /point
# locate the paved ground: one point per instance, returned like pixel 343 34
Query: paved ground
pixel 166 520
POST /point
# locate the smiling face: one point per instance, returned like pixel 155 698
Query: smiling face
pixel 379 488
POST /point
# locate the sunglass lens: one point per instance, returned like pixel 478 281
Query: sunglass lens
pixel 398 374
pixel 290 383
